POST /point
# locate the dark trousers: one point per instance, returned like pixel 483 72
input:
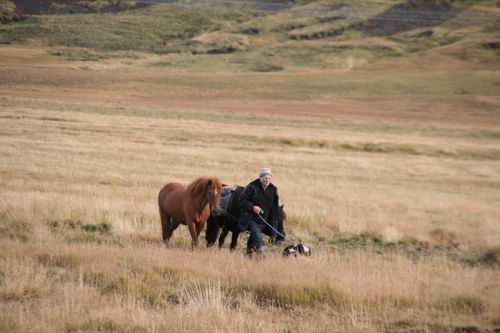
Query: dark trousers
pixel 255 240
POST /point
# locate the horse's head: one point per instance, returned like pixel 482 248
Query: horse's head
pixel 281 214
pixel 214 191
pixel 205 191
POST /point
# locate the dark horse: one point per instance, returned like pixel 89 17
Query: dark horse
pixel 227 221
pixel 190 205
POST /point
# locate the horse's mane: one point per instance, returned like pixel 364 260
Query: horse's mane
pixel 198 188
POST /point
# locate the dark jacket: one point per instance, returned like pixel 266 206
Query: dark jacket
pixel 247 203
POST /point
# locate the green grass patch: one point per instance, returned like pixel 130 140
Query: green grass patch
pixel 158 29
pixel 335 26
pixel 410 247
pixel 70 224
pixel 102 228
pixel 76 231
pixel 346 240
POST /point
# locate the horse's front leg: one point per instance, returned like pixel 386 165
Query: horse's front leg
pixel 194 234
pixel 234 239
pixel 199 228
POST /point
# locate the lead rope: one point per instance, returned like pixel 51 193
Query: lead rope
pixel 270 226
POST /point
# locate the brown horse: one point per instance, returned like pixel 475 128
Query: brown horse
pixel 188 205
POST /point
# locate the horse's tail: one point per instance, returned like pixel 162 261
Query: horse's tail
pixel 161 196
pixel 164 217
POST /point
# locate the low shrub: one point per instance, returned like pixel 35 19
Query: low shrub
pixel 58 7
pixel 95 5
pixel 125 5
pixel 491 257
pixel 267 67
pixel 102 228
pixel 59 226
pixel 7 11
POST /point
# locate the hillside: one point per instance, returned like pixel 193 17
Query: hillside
pixel 320 34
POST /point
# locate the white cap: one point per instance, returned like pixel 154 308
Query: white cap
pixel 264 172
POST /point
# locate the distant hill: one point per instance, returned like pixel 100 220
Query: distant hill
pixel 272 36
pixel 29 7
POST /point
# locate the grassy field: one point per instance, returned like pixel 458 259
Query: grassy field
pixel 386 152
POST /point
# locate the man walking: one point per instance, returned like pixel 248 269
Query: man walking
pixel 260 197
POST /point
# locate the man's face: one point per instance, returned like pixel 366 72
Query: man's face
pixel 265 180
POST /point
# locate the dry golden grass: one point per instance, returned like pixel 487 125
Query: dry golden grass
pixel 145 288
pixel 397 195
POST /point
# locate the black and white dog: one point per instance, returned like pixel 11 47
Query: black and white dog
pixel 294 249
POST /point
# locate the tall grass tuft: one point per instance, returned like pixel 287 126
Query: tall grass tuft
pixel 15 227
pixel 204 295
pixel 289 295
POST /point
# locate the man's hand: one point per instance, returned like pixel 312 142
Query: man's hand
pixel 256 209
